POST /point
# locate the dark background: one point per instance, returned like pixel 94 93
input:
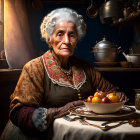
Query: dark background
pixel 95 30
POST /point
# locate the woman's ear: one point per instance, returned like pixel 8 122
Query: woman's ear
pixel 49 42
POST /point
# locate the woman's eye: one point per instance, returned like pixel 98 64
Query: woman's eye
pixel 60 34
pixel 72 35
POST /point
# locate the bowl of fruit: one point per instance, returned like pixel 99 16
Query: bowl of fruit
pixel 103 103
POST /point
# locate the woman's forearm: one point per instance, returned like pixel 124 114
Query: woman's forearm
pixel 30 119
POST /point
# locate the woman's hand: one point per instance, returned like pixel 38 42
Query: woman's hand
pixel 53 113
pixel 64 110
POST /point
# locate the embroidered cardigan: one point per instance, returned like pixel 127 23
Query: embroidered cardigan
pixel 31 90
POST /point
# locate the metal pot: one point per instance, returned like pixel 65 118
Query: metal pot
pixel 105 51
pixel 110 10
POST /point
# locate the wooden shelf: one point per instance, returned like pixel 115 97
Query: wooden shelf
pixel 13 74
pixel 117 69
pixel 7 75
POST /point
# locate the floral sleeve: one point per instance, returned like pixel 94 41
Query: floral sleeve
pixel 29 90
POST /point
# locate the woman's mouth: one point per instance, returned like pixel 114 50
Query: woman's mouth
pixel 67 49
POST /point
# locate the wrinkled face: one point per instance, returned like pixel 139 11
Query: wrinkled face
pixel 64 39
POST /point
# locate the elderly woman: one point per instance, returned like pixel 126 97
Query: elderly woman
pixel 52 83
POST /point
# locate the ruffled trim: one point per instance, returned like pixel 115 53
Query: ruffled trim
pixel 59 77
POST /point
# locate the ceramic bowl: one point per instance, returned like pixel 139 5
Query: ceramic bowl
pixel 104 108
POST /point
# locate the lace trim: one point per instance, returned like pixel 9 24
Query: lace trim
pixel 39 118
pixel 81 83
pixel 66 83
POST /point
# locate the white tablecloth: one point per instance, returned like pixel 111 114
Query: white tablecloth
pixel 74 130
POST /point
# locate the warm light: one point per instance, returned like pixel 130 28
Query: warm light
pixel 107 7
pixel 5 13
pixel 1 25
pixel 17 40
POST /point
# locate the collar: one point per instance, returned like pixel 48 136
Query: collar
pixel 59 77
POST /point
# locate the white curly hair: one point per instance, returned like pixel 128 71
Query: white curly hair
pixel 56 16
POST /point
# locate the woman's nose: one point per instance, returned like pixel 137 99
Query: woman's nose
pixel 66 39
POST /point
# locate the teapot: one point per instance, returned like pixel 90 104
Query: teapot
pixel 105 51
pixel 134 59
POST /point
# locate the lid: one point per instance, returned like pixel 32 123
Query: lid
pixel 104 44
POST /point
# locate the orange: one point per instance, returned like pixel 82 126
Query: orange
pixel 99 94
pixel 96 100
pixel 96 94
pixel 114 98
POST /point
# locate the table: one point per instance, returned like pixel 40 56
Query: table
pixel 74 130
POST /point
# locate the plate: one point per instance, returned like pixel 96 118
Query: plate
pixel 124 113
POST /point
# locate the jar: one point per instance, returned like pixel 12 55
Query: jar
pixel 137 101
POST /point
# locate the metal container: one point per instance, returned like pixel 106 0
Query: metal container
pixel 105 51
pixel 137 101
pixel 109 10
